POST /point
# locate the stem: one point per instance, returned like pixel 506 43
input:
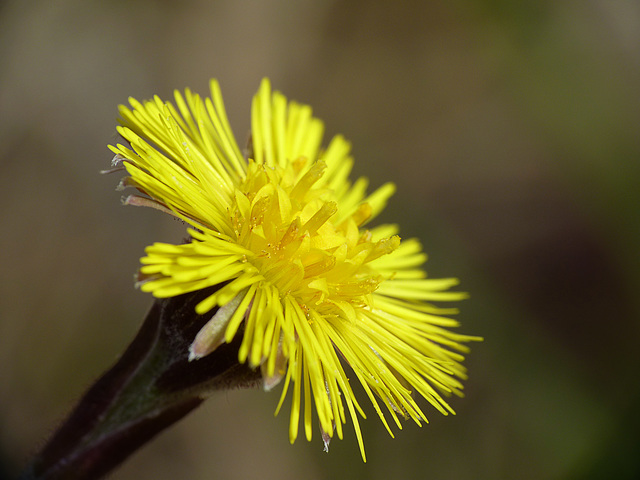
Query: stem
pixel 152 386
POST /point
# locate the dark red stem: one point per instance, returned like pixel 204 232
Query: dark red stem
pixel 152 386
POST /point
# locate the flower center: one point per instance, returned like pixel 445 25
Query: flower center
pixel 302 244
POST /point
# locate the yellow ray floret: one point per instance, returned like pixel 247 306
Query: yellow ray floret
pixel 281 232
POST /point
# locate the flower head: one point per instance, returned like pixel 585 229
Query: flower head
pixel 284 235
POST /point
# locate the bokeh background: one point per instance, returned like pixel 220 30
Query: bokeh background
pixel 512 132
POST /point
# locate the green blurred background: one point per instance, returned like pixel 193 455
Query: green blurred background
pixel 511 130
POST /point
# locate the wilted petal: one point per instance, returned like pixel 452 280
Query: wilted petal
pixel 211 336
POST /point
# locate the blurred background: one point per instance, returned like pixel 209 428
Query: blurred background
pixel 511 130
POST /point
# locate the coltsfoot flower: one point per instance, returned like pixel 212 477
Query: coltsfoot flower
pixel 317 295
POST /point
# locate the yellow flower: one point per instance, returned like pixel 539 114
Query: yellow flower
pixel 281 232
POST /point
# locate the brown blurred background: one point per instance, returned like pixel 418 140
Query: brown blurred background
pixel 511 130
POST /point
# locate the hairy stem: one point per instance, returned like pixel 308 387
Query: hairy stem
pixel 152 386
